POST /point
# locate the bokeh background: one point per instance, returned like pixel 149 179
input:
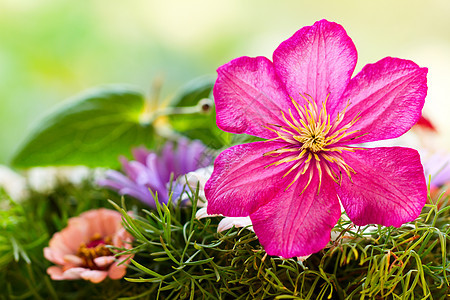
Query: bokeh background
pixel 51 50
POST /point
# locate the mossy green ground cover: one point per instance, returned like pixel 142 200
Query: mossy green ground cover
pixel 179 257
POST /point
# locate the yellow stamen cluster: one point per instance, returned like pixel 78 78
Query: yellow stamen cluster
pixel 311 141
pixel 88 254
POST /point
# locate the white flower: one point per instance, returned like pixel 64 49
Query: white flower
pixel 14 184
pixel 227 222
pixel 199 178
pixel 45 179
pixel 192 179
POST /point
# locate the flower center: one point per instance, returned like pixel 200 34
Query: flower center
pixel 95 248
pixel 311 140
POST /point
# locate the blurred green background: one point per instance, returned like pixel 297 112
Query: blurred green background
pixel 51 50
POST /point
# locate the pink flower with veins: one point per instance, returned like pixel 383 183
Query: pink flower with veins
pixel 310 111
pixel 79 250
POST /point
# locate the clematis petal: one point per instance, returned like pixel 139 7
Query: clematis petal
pixel 248 96
pixel 295 223
pixel 388 188
pixel 317 60
pixel 241 180
pixel 388 96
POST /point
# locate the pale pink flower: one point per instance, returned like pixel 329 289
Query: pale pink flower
pixel 311 112
pixel 79 250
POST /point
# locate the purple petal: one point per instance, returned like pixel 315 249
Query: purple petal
pixel 388 188
pixel 131 172
pixel 124 186
pixel 145 176
pixel 295 223
pixel 177 190
pixel 388 96
pixel 317 60
pixel 193 154
pixel 196 157
pixel 149 171
pixel 165 164
pixel 248 96
pixel 181 158
pixel 241 181
pixel 155 171
pixel 140 154
pixel 438 166
pixel 115 180
pixel 142 193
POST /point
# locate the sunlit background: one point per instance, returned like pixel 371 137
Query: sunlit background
pixel 51 50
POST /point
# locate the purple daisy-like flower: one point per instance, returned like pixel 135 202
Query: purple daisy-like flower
pixel 150 171
pixel 310 111
pixel 437 166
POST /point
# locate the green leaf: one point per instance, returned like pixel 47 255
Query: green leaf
pixel 201 126
pixel 193 91
pixel 93 129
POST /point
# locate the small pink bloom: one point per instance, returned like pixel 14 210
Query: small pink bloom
pixel 79 250
pixel 311 111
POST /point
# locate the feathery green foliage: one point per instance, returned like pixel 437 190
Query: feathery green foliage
pixel 179 257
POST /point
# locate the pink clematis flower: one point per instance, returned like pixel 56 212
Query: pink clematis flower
pixel 79 249
pixel 311 112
